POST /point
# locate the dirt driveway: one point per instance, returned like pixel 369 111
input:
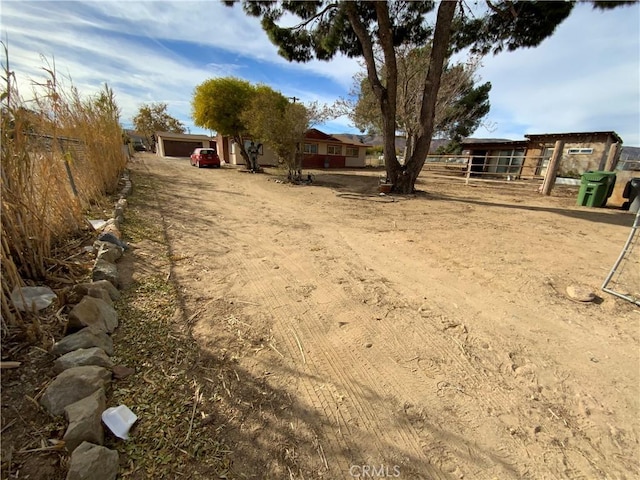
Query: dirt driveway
pixel 418 338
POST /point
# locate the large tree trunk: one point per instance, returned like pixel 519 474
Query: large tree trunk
pixel 385 94
pixel 404 179
pixel 388 100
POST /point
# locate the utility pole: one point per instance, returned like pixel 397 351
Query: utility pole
pixel 293 99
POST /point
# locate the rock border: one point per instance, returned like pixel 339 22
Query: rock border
pixel 84 369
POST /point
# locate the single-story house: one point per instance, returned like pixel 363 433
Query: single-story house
pixel 529 158
pixel 332 151
pixel 181 144
pixel 229 152
pixel 320 150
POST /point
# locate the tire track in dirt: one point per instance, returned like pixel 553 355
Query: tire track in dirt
pixel 470 371
pixel 402 383
pixel 493 375
pixel 361 409
pixel 412 388
pixel 301 319
pixel 500 400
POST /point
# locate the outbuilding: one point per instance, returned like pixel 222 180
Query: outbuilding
pixel 181 144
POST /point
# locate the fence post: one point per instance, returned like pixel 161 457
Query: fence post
pixel 469 164
pixel 552 168
pixel 66 158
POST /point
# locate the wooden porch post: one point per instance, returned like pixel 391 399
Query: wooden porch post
pixel 552 168
pixel 614 150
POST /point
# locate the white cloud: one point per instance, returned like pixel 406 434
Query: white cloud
pixel 123 44
pixel 586 77
pixel 214 25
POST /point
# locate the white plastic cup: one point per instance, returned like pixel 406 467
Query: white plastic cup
pixel 119 420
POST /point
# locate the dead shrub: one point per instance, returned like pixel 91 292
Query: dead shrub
pixel 60 153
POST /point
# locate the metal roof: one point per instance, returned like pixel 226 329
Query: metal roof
pixel 546 136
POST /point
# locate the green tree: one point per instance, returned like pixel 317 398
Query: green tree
pixel 281 124
pixel 460 104
pixel 218 104
pixel 358 29
pixel 274 120
pixel 152 118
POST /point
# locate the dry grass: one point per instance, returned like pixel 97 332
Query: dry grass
pixel 60 153
pixel 176 391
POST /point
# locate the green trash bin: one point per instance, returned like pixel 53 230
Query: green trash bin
pixel 595 188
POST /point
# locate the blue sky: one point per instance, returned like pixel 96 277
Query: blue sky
pixel 586 77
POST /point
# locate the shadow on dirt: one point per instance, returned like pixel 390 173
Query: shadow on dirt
pixel 367 183
pixel 268 432
pixel 613 216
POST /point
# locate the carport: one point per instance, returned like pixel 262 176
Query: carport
pixel 180 144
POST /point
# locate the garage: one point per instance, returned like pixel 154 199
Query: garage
pixel 180 144
pixel 175 148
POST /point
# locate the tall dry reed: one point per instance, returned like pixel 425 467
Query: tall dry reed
pixel 59 153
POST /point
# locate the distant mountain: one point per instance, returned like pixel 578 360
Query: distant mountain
pixel 401 142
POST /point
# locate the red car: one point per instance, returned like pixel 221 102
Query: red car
pixel 205 157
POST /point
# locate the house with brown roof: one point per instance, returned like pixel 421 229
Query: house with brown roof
pixel 332 151
pixel 320 150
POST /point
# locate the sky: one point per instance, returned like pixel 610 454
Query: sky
pixel 586 77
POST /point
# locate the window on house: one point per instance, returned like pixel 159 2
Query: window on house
pixel 334 149
pixel 352 151
pixel 578 151
pixel 506 161
pixel 311 148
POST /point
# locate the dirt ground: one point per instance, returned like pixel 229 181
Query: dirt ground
pixel 416 337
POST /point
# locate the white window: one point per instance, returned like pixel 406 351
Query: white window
pixel 578 151
pixel 352 151
pixel 311 148
pixel 334 149
pixel 506 161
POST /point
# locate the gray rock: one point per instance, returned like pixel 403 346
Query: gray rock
pixel 72 385
pixel 85 338
pixel 107 251
pixel 126 190
pixel 103 270
pixel 580 293
pixel 93 312
pixel 32 298
pixel 112 236
pixel 101 294
pixel 83 288
pixel 93 462
pixel 85 420
pixel 81 357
